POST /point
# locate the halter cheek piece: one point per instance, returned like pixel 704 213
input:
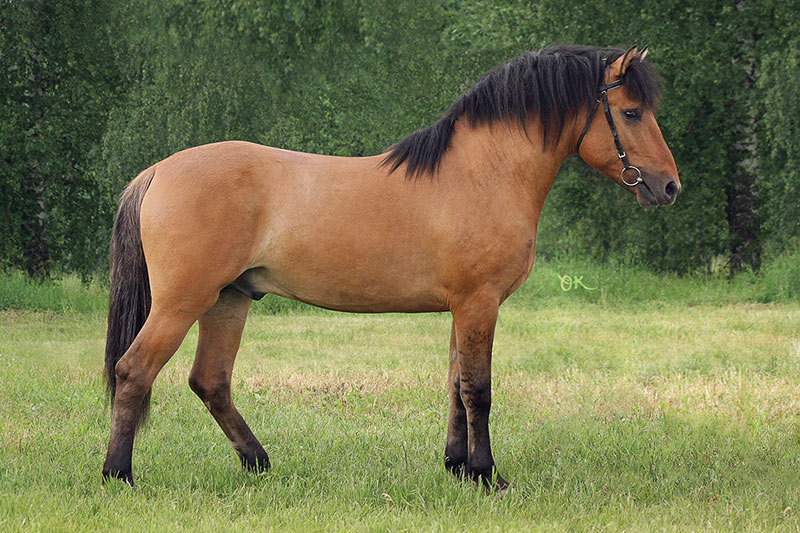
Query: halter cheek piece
pixel 637 179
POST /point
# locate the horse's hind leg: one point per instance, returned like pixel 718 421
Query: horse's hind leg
pixel 220 333
pixel 157 341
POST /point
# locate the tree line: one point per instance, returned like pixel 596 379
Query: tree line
pixel 93 92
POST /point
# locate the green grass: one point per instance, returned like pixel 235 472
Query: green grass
pixel 777 282
pixel 670 414
pixel 66 295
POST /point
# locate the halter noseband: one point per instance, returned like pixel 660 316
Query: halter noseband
pixel 603 89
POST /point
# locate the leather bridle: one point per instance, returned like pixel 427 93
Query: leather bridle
pixel 603 90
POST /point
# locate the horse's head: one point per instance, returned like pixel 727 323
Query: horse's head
pixel 621 137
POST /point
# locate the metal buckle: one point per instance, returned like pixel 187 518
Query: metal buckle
pixel 638 179
pixel 623 155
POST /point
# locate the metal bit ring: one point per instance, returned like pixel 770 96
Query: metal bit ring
pixel 636 180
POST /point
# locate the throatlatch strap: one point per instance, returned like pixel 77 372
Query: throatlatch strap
pixel 602 90
pixel 586 126
pixel 620 150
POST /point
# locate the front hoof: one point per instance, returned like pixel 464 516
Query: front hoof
pixel 491 480
pixel 124 476
pixel 500 487
pixel 456 467
pixel 257 463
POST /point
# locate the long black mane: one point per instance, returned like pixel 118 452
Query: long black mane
pixel 555 83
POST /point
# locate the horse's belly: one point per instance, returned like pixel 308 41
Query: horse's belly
pixel 355 288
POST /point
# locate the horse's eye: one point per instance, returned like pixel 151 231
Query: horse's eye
pixel 632 114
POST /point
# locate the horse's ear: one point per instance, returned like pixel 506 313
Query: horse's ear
pixel 641 54
pixel 620 66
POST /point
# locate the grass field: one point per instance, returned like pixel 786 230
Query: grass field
pixel 666 414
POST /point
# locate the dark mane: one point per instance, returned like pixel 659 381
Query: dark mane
pixel 554 84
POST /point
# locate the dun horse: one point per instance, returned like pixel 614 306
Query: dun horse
pixel 444 221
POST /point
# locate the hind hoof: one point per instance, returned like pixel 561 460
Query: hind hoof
pixel 257 463
pixel 124 476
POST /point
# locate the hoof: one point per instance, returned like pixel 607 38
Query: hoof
pixel 456 467
pixel 492 481
pixel 124 476
pixel 257 463
pixel 501 487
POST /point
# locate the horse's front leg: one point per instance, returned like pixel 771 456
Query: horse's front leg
pixel 455 452
pixel 474 326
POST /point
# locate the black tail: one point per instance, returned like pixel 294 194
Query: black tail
pixel 130 300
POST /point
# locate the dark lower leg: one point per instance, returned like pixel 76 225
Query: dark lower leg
pixel 475 335
pixel 250 451
pixel 220 334
pixel 125 417
pixel 480 463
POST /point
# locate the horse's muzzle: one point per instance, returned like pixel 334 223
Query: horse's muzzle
pixel 657 190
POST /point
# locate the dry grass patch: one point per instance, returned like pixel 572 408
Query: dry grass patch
pixel 289 383
pixel 735 396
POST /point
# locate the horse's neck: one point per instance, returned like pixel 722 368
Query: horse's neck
pixel 514 159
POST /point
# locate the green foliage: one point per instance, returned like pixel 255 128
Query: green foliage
pixel 779 85
pixel 58 82
pixel 93 95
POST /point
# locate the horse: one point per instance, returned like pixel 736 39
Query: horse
pixel 444 221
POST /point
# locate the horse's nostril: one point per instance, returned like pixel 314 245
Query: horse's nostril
pixel 671 189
